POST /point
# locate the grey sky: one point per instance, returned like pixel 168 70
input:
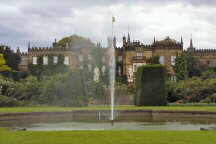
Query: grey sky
pixel 42 21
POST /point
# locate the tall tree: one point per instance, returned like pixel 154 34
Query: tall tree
pixel 186 66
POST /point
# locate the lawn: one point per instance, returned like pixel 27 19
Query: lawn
pixel 107 137
pixel 61 109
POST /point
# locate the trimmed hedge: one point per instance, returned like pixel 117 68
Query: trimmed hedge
pixel 150 86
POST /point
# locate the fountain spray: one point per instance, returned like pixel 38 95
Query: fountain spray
pixel 112 74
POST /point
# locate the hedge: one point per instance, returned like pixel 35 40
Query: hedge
pixel 150 86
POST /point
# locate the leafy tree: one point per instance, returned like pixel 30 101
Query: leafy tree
pixel 64 89
pixel 181 67
pixel 27 89
pixel 3 66
pixel 186 66
pixel 77 42
pixel 12 59
pixel 193 66
pixel 154 60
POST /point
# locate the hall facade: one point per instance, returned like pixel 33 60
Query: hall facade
pixel 133 54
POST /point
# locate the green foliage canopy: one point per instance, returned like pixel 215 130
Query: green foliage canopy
pixel 186 66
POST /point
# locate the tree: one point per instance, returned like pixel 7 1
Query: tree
pixel 193 66
pixel 154 60
pixel 64 89
pixel 27 89
pixel 77 42
pixel 192 90
pixel 186 66
pixel 3 66
pixel 181 67
pixel 12 59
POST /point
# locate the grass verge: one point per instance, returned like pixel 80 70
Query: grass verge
pixel 62 109
pixel 107 137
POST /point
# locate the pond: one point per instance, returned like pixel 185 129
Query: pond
pixel 126 120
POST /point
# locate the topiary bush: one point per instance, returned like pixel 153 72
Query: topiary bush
pixel 150 86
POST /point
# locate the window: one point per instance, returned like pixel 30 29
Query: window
pixel 80 58
pixel 103 69
pixel 161 60
pixel 173 78
pixel 130 74
pixel 66 60
pixel 173 58
pixel 134 67
pixel 139 54
pixel 119 71
pixel 119 58
pixel 89 57
pixel 55 59
pixel 45 60
pixel 34 60
pixel 89 67
pixel 103 59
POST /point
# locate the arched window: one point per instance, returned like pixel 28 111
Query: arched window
pixel 55 59
pixel 45 60
pixel 161 60
pixel 34 60
pixel 173 58
pixel 66 60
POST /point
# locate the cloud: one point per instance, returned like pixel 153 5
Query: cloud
pixel 31 20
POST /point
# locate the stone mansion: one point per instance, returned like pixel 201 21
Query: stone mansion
pixel 133 54
pixel 129 57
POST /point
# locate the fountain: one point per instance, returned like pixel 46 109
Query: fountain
pixel 112 75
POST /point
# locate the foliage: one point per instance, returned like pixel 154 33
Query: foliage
pixel 27 89
pixel 122 79
pixel 193 90
pixel 150 85
pixel 181 67
pixel 68 89
pixel 193 66
pixel 77 42
pixel 8 102
pixel 210 73
pixel 43 71
pixel 12 59
pixel 3 66
pixel 64 89
pixel 154 60
pixel 186 66
pixel 15 75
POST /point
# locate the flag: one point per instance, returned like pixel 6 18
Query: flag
pixel 113 19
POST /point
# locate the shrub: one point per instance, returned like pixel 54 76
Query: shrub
pixel 67 89
pixel 8 102
pixel 150 83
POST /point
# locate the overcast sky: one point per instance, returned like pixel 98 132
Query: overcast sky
pixel 40 21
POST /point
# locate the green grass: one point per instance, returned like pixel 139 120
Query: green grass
pixel 61 109
pixel 107 137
